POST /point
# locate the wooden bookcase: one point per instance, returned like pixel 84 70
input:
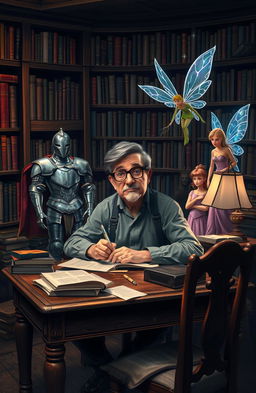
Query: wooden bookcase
pixel 50 94
pixel 105 70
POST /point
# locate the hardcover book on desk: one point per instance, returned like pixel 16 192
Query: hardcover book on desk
pixel 171 276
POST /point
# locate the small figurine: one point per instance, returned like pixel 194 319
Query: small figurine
pixel 197 217
pixel 68 181
pixel 195 85
pixel 221 156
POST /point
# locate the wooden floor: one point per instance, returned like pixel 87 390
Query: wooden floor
pixel 77 375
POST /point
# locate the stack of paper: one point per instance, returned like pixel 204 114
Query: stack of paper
pixel 71 283
pixel 218 238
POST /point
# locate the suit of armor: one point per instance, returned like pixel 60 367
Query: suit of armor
pixel 69 183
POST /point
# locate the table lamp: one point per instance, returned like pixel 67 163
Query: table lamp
pixel 227 191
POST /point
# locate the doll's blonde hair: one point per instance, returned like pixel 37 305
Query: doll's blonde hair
pixel 199 170
pixel 220 133
pixel 177 97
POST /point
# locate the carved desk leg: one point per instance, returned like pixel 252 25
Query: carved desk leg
pixel 24 337
pixel 54 368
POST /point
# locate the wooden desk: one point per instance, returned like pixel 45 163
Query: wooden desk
pixel 66 319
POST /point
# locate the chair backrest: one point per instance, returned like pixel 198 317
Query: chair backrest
pixel 222 317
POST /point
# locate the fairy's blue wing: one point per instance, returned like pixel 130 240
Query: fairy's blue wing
pixel 158 94
pixel 177 117
pixel 165 80
pixel 238 125
pixel 195 116
pixel 215 121
pixel 198 104
pixel 197 76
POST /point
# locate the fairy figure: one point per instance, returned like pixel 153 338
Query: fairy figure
pixel 197 217
pixel 195 85
pixel 223 158
pixel 236 130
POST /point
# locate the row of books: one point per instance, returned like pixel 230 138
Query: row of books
pixel 10 42
pixel 132 123
pixel 164 155
pixel 155 123
pixel 54 99
pixel 8 104
pixel 169 47
pixel 9 197
pixel 53 47
pixel 8 152
pixel 41 147
pixel 232 85
pixel 121 89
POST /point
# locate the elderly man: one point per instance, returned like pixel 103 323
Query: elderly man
pixel 137 233
pixel 142 224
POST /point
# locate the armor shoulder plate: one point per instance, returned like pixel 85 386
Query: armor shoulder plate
pixel 82 166
pixel 46 166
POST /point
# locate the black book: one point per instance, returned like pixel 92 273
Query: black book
pixel 32 266
pixel 171 276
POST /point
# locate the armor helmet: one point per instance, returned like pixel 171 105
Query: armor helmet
pixel 61 144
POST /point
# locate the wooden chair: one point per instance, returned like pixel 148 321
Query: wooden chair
pixel 157 370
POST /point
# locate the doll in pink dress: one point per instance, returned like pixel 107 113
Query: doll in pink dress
pixel 218 221
pixel 197 217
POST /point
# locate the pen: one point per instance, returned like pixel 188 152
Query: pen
pixel 105 233
pixel 130 279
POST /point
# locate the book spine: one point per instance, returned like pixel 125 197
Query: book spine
pixel 14 152
pixel 8 78
pixel 8 153
pixel 13 106
pixel 4 105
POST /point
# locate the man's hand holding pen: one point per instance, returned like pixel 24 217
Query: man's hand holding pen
pixel 101 250
pixel 107 251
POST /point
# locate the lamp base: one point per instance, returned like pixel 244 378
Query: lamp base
pixel 236 218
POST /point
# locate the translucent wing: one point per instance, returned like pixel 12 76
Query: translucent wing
pixel 215 121
pixel 198 92
pixel 198 104
pixel 238 125
pixel 195 116
pixel 158 94
pixel 197 75
pixel 165 80
pixel 177 117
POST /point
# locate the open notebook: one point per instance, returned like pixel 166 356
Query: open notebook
pixel 102 266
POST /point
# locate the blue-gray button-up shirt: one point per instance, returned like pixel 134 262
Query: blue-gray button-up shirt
pixel 139 232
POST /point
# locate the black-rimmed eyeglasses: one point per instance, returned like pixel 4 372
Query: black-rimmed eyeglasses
pixel 121 174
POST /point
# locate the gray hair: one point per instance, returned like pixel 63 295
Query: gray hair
pixel 123 149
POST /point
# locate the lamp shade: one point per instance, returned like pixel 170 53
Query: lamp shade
pixel 227 191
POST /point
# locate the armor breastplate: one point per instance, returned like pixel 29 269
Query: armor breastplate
pixel 63 185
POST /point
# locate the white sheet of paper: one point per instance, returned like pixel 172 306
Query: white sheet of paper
pixel 124 292
pixel 94 266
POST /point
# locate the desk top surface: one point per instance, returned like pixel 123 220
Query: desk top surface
pixel 46 304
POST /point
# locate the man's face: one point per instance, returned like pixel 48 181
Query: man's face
pixel 130 189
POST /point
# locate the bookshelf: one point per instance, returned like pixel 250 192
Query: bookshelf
pixel 41 89
pixel 120 60
pixel 85 79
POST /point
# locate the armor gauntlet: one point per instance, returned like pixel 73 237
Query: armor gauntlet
pixel 36 191
pixel 88 190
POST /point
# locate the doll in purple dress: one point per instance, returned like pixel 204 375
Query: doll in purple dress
pixel 197 217
pixel 218 221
